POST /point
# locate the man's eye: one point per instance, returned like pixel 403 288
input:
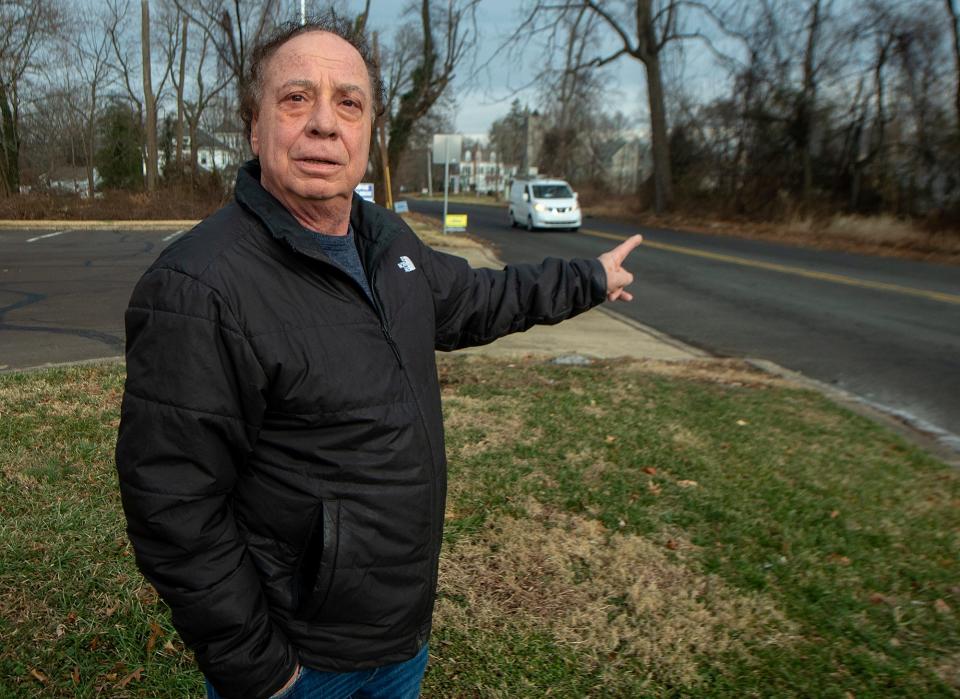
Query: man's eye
pixel 297 98
pixel 352 104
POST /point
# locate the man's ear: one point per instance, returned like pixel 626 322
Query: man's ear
pixel 254 136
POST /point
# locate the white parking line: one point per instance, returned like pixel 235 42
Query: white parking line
pixel 46 235
pixel 174 235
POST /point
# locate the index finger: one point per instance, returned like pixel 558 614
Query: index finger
pixel 626 247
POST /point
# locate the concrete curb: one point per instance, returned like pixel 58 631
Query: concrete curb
pixel 653 333
pixel 116 359
pixel 942 444
pixel 9 224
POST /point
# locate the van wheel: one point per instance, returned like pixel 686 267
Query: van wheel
pixel 575 229
pixel 529 223
pixel 513 221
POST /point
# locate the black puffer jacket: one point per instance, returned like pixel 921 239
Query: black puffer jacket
pixel 281 455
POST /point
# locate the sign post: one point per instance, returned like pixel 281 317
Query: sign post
pixel 448 147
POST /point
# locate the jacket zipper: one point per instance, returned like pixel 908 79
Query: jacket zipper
pixel 435 517
pixel 374 299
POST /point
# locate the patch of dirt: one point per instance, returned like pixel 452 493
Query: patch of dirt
pixel 613 595
pixel 948 670
pixel 430 232
pixel 684 437
pixel 729 372
pixel 500 427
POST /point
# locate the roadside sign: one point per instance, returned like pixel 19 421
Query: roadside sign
pixel 446 148
pixel 365 190
pixel 456 222
pixel 400 207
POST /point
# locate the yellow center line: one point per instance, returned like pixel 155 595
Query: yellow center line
pixel 788 269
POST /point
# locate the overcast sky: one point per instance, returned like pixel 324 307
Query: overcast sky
pixel 488 95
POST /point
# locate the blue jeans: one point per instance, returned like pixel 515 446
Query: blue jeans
pixel 397 681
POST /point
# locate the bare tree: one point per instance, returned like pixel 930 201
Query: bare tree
pixel 435 71
pixel 24 24
pixel 641 29
pixel 645 43
pixel 203 95
pixel 89 57
pixel 232 26
pixel 569 98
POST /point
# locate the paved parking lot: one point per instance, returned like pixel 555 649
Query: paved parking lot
pixel 63 290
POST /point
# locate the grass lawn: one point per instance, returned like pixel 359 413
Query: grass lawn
pixel 614 530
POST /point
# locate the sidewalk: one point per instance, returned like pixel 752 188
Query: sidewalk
pixel 598 334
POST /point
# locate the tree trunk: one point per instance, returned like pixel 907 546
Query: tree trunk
pixel 417 102
pixel 955 31
pixel 662 177
pixel 648 52
pixel 808 104
pixel 149 99
pixel 10 145
pixel 180 112
pixel 193 125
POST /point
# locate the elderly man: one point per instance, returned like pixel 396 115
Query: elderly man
pixel 280 454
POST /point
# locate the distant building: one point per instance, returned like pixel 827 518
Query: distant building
pixel 69 179
pixel 218 151
pixel 629 165
pixel 481 172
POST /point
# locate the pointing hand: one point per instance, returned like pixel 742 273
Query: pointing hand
pixel 617 276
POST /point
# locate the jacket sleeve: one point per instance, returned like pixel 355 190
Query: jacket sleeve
pixel 191 412
pixel 476 306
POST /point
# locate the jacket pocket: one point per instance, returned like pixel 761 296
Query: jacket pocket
pixel 314 575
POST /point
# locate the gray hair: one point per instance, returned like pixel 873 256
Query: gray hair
pixel 251 87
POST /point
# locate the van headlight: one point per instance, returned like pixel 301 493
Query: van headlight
pixel 575 207
pixel 539 207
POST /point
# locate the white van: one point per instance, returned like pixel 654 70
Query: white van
pixel 543 203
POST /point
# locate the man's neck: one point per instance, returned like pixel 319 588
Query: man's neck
pixel 327 216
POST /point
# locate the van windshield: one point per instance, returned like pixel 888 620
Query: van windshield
pixel 552 191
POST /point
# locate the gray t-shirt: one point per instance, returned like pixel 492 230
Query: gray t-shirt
pixel 342 251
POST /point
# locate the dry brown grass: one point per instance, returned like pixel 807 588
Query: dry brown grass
pixel 170 203
pixel 728 372
pixel 500 427
pixel 873 235
pixel 948 670
pixel 608 594
pixel 430 232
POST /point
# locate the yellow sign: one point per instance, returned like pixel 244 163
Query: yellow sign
pixel 456 222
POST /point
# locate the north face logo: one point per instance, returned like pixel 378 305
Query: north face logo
pixel 406 264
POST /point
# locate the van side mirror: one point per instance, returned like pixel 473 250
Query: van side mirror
pixel 526 197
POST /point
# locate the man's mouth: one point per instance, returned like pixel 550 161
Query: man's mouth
pixel 318 161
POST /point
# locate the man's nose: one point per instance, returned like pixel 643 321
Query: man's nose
pixel 323 121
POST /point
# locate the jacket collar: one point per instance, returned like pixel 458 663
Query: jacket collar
pixel 371 224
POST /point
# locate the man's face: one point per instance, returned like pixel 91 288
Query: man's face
pixel 312 130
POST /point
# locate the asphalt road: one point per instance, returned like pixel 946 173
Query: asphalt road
pixel 885 329
pixel 63 291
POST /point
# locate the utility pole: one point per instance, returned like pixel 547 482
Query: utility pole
pixel 429 172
